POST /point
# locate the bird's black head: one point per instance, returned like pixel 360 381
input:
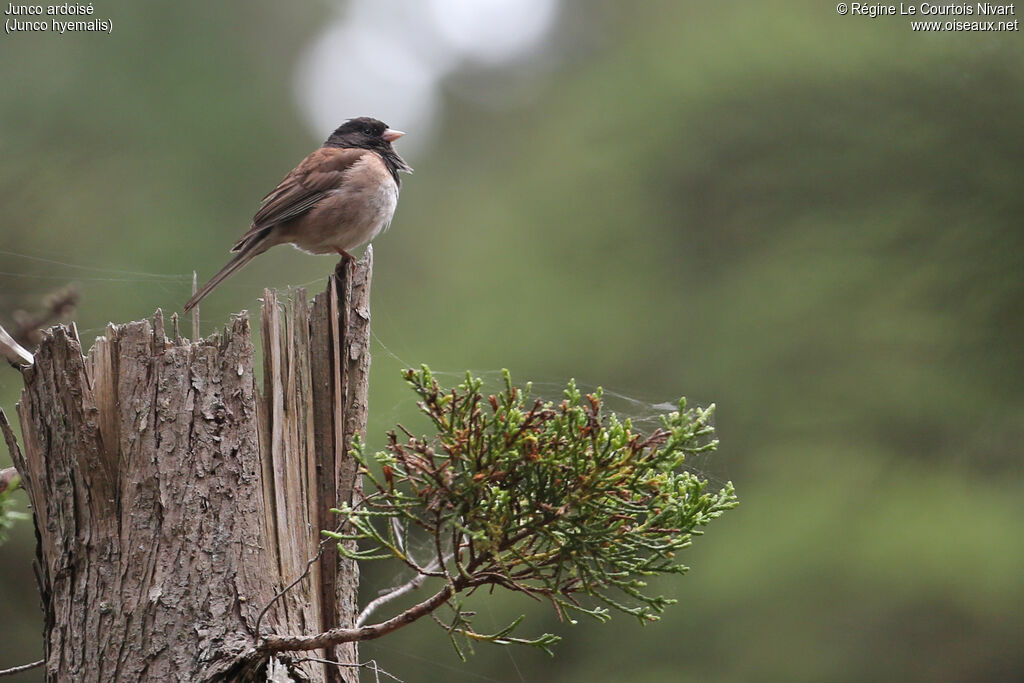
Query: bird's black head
pixel 369 133
pixel 361 132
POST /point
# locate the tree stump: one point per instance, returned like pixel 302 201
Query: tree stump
pixel 178 510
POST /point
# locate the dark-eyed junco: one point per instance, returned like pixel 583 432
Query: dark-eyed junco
pixel 339 197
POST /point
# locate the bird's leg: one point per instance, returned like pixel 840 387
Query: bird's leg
pixel 345 254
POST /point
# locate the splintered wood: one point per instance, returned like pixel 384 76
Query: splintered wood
pixel 174 503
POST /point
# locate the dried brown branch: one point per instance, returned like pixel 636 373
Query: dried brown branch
pixel 24 667
pixel 277 643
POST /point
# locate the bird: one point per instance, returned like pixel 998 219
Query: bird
pixel 338 198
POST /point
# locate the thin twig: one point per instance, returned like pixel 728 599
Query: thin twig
pixel 398 591
pixel 14 352
pixel 195 310
pixel 24 667
pixel 399 537
pixel 370 664
pixel 305 572
pixel 336 636
pixel 309 565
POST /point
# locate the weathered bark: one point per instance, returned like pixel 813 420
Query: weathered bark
pixel 173 503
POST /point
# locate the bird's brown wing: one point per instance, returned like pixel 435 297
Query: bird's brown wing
pixel 313 179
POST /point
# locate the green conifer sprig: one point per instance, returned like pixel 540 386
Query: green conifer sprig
pixel 559 501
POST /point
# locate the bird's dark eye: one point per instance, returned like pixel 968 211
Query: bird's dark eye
pixel 368 131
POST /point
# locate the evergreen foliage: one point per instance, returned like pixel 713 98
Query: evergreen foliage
pixel 562 502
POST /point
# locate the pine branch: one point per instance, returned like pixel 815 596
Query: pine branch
pixel 559 502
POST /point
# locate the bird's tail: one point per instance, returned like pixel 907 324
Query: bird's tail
pixel 254 248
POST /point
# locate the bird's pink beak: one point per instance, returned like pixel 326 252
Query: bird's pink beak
pixel 391 135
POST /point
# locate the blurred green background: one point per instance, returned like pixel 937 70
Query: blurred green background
pixel 814 221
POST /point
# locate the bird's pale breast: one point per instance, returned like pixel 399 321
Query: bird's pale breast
pixel 353 214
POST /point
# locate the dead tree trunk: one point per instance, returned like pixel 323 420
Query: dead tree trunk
pixel 174 504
